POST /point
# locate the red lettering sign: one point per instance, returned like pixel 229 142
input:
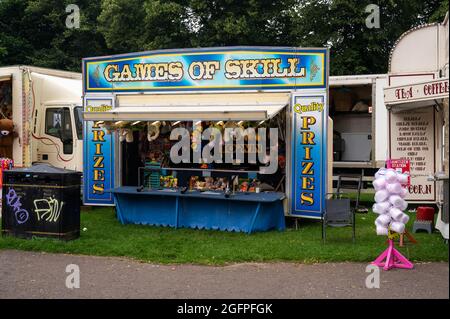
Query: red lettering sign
pixel 402 166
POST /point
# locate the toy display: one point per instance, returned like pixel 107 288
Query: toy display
pixel 5 164
pixel 209 184
pixel 168 181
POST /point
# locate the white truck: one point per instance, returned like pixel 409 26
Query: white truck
pixel 360 124
pixel 46 107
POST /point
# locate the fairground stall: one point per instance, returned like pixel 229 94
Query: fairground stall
pixel 230 138
pixel 417 101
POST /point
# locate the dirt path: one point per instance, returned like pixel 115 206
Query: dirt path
pixel 41 275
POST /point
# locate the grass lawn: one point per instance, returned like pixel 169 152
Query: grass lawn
pixel 105 236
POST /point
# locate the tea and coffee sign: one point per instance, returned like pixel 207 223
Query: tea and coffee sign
pixel 416 92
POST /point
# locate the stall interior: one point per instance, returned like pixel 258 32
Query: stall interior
pixel 147 164
pixel 351 111
pixel 6 124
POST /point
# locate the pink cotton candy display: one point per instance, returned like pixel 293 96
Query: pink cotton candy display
pixel 394 188
pixel 382 231
pixel 381 208
pixel 395 213
pixel 381 196
pixel 404 219
pixel 398 227
pixel 404 205
pixel 383 220
pixel 391 176
pixel 389 201
pixel 402 178
pixel 380 173
pixel 396 201
pixel 375 209
pixel 398 216
pixel 379 183
pixel 404 192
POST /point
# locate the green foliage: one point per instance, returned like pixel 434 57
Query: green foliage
pixel 105 236
pixel 341 24
pixel 135 25
pixel 34 31
pixel 439 14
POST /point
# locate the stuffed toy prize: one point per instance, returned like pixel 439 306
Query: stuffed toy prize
pixel 153 131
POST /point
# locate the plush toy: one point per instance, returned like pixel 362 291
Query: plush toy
pixel 153 131
pixel 126 134
pixel 196 137
pixel 108 126
pixel 7 136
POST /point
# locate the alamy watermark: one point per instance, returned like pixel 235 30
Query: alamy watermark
pixel 73 279
pixel 373 279
pixel 73 18
pixel 229 147
pixel 373 19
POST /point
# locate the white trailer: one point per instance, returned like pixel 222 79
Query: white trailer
pixel 45 106
pixel 417 99
pixel 360 124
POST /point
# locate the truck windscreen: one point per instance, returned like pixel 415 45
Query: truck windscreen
pixel 78 121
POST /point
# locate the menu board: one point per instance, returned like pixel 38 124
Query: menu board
pixel 412 137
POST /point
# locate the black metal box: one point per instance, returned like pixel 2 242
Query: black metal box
pixel 41 201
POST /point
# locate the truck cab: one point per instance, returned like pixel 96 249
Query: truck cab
pixel 45 106
pixel 58 130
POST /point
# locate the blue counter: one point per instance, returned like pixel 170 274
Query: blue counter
pixel 243 212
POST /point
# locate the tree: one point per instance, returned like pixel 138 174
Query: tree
pixel 340 24
pixel 137 25
pixel 439 14
pixel 14 45
pixel 240 22
pixel 34 32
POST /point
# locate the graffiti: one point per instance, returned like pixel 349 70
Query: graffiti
pixel 13 201
pixel 50 209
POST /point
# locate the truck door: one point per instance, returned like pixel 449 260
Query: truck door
pixel 56 140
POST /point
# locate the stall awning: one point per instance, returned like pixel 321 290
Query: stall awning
pixel 206 107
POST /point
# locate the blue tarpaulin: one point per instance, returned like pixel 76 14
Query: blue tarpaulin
pixel 242 212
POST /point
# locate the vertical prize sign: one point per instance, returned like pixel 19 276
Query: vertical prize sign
pixel 309 155
pixel 98 155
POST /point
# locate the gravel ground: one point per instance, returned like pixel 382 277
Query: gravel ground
pixel 42 275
